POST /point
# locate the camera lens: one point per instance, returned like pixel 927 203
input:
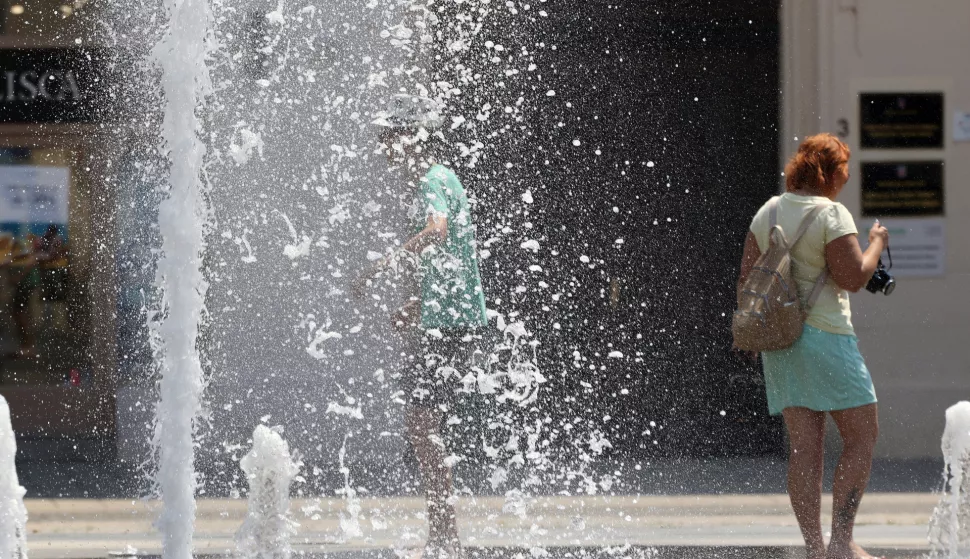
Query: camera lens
pixel 890 287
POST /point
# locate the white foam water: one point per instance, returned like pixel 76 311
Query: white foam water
pixel 950 525
pixel 13 513
pixel 183 218
pixel 270 469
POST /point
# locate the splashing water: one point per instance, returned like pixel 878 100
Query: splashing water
pixel 13 513
pixel 182 223
pixel 305 199
pixel 270 469
pixel 350 519
pixel 950 526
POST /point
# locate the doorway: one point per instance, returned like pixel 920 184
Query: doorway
pixel 675 112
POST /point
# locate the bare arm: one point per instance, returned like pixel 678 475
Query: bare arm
pixel 434 233
pixel 751 255
pixel 851 268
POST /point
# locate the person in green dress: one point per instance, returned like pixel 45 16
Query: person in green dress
pixel 448 313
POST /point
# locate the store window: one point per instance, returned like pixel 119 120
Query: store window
pixel 44 250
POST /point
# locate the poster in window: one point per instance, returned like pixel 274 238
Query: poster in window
pixel 34 205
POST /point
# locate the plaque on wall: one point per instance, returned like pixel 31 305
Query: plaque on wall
pixel 902 188
pixel 901 120
pixel 918 245
pixel 53 85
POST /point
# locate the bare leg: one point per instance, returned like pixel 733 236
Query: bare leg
pixel 806 430
pixel 423 426
pixel 859 428
pixel 21 317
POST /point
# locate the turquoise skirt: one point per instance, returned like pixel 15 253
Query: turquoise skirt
pixel 821 372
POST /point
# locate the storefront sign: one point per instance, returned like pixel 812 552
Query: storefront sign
pixel 52 85
pixel 902 189
pixel 901 120
pixel 918 246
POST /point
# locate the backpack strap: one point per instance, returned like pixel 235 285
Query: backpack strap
pixel 817 290
pixel 824 276
pixel 773 227
pixel 806 223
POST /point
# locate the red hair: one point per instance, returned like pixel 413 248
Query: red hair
pixel 815 164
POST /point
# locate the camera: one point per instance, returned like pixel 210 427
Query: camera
pixel 881 279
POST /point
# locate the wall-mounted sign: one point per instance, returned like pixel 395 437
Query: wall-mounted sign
pixel 961 126
pixel 918 245
pixel 901 120
pixel 52 85
pixel 902 188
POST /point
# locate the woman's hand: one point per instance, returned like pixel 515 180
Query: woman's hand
pixel 359 286
pixel 878 232
pixel 850 268
pixel 407 316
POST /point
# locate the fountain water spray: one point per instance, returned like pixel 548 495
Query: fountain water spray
pixel 950 526
pixel 13 513
pixel 270 469
pixel 181 55
pixel 304 198
pixel 349 519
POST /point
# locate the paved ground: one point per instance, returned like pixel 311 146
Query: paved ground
pixel 94 528
pixel 106 478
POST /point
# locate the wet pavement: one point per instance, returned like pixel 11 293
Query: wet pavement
pixel 634 527
pixel 688 552
pixel 620 552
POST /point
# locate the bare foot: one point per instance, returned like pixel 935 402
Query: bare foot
pixel 444 547
pixel 850 551
pixel 448 550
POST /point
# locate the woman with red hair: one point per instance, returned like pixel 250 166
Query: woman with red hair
pixel 823 372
